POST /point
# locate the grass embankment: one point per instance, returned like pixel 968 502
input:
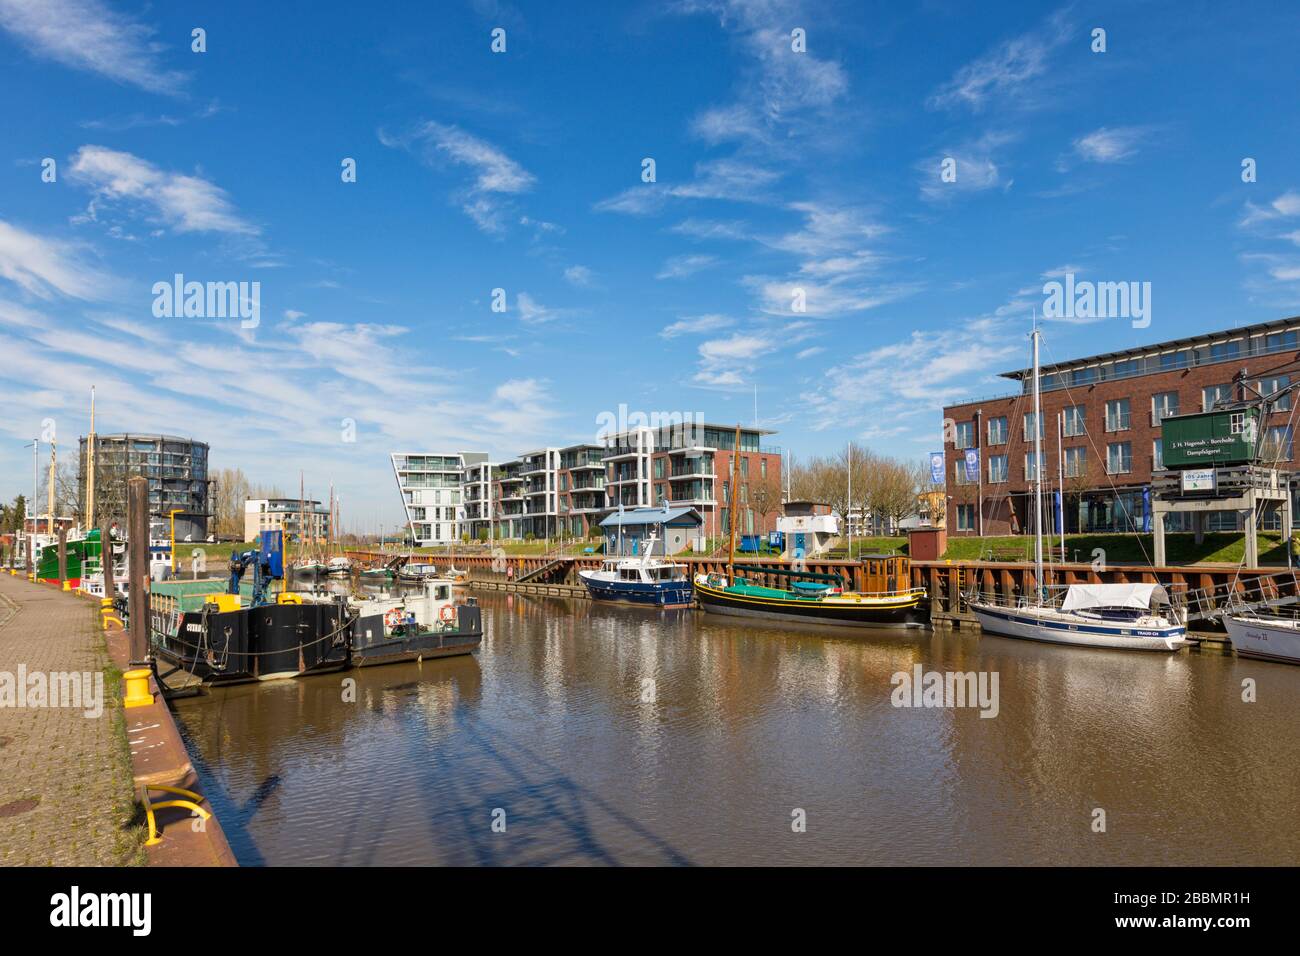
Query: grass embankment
pixel 1218 547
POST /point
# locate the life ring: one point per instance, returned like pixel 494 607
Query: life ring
pixel 394 618
pixel 447 614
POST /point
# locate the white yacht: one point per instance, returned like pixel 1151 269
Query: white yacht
pixel 1090 615
pixel 1264 636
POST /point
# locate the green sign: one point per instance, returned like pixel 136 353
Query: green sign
pixel 1211 438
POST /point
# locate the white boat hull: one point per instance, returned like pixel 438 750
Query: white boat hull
pixel 1030 624
pixel 1265 640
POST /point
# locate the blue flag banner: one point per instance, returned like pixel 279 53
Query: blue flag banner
pixel 936 467
pixel 1146 509
pixel 972 464
pixel 1060 514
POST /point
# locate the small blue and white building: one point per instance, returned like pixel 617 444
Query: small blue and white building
pixel 673 530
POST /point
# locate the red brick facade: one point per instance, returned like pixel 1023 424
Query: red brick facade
pixel 1006 504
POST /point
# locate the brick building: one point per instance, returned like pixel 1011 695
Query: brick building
pixel 1107 410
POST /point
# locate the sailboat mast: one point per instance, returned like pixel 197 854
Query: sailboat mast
pixel 90 465
pixel 1038 477
pixel 1060 476
pixel 733 498
pixel 54 458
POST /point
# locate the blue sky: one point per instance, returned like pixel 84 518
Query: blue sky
pixel 775 170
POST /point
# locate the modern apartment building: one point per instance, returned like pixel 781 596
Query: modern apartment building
pixel 432 488
pixel 1107 410
pixel 176 468
pixel 299 520
pixel 691 465
pixel 565 491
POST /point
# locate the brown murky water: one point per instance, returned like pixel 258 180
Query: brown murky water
pixel 748 724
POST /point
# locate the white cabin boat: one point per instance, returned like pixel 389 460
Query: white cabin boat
pixel 1263 636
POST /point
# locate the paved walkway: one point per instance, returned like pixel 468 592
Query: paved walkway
pixel 65 779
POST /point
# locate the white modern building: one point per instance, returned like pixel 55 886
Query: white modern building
pixel 299 519
pixel 432 488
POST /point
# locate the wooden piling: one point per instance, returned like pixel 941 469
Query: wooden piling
pixel 137 519
pixel 106 561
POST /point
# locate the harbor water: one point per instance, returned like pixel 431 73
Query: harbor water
pixel 591 734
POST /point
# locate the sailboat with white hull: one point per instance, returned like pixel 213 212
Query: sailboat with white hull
pixel 1125 616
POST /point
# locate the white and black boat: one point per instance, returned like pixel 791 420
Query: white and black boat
pixel 644 580
pixel 393 628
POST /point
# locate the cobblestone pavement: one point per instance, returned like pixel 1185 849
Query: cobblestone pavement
pixel 65 779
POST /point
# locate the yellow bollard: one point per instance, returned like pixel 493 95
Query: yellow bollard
pixel 137 688
pixel 67 585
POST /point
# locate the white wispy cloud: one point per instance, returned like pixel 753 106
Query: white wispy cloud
pixel 1107 145
pixel 1284 206
pixel 680 267
pixel 89 35
pixel 580 276
pixel 780 89
pixel 698 324
pixel 940 369
pixel 713 229
pixel 734 180
pixel 1007 69
pixel 44 267
pixel 495 174
pixel 185 203
pixel 724 363
pixel 533 312
pixel 975 168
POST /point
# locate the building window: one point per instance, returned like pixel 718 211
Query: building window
pixel 1158 454
pixel 1031 473
pixel 965 517
pixel 1277 341
pixel 997 469
pixel 1119 458
pixel 1224 351
pixel 762 469
pixel 1117 415
pixel 744 466
pixel 1076 462
pixel 998 430
pixel 1214 393
pixel 1268 386
pixel 1029 427
pixel 1277 444
pixel 959 472
pixel 965 435
pixel 1073 422
pixel 1163 405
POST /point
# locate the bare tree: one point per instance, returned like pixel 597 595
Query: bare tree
pixel 764 498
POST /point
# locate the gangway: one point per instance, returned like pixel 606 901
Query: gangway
pixel 1243 594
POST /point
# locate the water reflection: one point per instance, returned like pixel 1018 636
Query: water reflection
pixel 554 723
